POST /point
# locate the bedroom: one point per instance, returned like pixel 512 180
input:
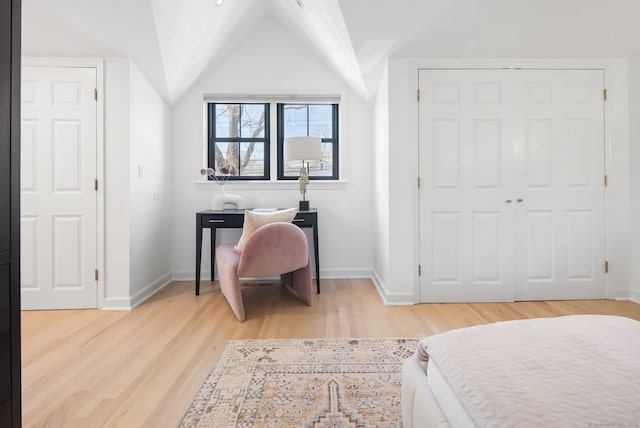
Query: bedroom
pixel 140 258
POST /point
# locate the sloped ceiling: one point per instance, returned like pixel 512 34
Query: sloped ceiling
pixel 172 42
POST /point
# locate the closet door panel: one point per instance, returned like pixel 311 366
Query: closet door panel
pixel 561 180
pixel 466 161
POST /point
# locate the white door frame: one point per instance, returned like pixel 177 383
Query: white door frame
pixel 98 65
pixel 616 128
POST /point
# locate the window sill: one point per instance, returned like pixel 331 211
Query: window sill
pixel 273 185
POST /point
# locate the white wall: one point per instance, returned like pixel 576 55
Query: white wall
pixel 381 185
pixel 149 196
pixel 270 60
pixel 618 208
pixel 634 190
pixel 401 283
pixel 116 186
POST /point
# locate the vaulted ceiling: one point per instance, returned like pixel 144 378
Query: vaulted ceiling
pixel 172 41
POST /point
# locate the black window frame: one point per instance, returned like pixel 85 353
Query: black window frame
pixel 334 140
pixel 213 139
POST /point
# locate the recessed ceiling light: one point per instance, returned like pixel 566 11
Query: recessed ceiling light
pixel 300 3
pixel 219 2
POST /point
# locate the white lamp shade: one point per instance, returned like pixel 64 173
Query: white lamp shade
pixel 302 149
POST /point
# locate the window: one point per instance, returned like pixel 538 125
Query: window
pixel 239 134
pixel 313 120
pixel 238 140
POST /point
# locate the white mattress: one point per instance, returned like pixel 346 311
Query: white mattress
pixel 553 372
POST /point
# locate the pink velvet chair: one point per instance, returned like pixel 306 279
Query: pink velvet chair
pixel 273 249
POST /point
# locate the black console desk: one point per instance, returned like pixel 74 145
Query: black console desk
pixel 234 219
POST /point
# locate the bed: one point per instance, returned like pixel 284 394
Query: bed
pixel 571 371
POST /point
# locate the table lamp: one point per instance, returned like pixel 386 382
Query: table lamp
pixel 303 149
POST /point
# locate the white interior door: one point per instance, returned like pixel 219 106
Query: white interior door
pixel 560 230
pixel 467 187
pixel 512 195
pixel 58 199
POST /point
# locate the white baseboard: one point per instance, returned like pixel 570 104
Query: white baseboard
pixel 189 275
pixel 343 273
pixel 634 296
pixel 390 298
pixel 324 273
pixel 621 294
pixel 116 304
pixel 151 289
pixel 128 303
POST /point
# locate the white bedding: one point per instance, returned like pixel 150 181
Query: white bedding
pixel 573 371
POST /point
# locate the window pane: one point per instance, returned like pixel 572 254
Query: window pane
pixel 230 126
pixel 295 120
pixel 226 157
pixel 317 120
pixel 222 121
pixel 324 167
pixel 320 121
pixel 252 123
pixel 227 120
pixel 252 159
pixel 292 169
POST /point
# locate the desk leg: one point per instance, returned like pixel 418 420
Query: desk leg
pixel 213 253
pixel 198 254
pixel 315 249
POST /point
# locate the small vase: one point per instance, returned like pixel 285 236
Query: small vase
pixel 226 201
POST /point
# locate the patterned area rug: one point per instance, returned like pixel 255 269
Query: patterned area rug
pixel 303 383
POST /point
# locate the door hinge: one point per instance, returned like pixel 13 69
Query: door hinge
pixel 604 94
pixel 95 275
pixel 95 184
pixel 418 95
pixel 418 182
pixel 606 180
pixel 606 267
pixel 419 270
pixel 95 94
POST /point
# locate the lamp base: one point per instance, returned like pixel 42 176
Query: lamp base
pixel 304 206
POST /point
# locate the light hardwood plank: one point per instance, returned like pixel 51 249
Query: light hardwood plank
pixel 142 368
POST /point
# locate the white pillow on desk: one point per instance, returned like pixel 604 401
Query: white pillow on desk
pixel 255 219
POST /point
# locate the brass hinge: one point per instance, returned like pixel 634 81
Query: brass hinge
pixel 418 182
pixel 95 94
pixel 606 267
pixel 606 180
pixel 604 94
pixel 95 184
pixel 418 95
pixel 419 270
pixel 95 275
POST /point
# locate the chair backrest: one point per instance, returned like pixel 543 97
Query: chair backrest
pixel 274 249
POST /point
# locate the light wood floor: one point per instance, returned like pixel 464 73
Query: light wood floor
pixel 142 368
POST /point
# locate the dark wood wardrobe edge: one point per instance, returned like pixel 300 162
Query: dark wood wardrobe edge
pixel 16 394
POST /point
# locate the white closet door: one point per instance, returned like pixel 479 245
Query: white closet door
pixel 467 188
pixel 58 200
pixel 560 157
pixel 512 196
